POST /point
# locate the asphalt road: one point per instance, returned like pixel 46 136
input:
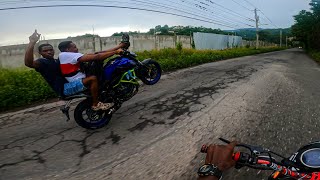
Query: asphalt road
pixel 270 99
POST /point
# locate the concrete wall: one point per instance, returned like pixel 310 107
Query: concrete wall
pixel 13 56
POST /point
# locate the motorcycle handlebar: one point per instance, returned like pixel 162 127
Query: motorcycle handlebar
pixel 245 159
pixel 239 157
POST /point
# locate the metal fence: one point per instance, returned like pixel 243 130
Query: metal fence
pixel 215 41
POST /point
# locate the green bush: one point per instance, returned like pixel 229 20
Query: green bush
pixel 179 46
pixel 315 55
pixel 20 87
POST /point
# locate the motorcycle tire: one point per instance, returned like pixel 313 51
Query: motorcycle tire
pixel 151 77
pixel 95 119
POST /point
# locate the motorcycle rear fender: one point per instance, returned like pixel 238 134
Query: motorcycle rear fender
pixel 146 61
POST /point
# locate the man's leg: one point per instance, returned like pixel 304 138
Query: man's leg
pixel 92 83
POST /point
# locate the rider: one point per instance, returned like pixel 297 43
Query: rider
pixel 218 160
pixel 70 67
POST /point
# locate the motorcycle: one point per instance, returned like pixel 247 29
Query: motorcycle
pixel 304 164
pixel 118 82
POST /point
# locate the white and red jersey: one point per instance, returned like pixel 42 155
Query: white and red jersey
pixel 69 64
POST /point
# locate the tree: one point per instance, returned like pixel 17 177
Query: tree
pixel 121 33
pixel 264 35
pixel 307 26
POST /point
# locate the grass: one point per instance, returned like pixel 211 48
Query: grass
pixel 20 87
pixel 315 55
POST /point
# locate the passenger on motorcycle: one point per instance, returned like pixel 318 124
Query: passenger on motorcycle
pixel 70 67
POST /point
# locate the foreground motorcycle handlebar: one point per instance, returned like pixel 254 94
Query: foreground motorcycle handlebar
pixel 255 160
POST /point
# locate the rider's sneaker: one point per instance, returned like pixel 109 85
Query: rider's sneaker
pixel 102 106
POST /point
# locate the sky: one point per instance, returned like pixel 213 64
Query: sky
pixel 16 25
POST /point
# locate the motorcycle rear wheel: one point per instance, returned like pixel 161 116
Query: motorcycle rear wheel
pixel 89 119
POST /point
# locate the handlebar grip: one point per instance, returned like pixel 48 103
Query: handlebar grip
pixel 237 156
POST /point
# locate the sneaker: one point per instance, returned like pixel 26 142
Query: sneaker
pixel 102 106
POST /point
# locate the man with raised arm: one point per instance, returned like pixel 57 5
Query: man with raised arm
pixel 47 66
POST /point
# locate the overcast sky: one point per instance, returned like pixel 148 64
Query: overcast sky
pixel 61 22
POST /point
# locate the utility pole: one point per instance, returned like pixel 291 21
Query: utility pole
pixel 286 41
pixel 190 40
pixel 280 37
pixel 93 40
pixel 155 39
pixel 257 27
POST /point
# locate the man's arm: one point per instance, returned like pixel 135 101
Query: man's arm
pixel 121 45
pixel 28 57
pixel 100 56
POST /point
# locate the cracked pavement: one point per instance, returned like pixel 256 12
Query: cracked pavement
pixel 270 99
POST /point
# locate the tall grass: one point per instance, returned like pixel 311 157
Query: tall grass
pixel 19 87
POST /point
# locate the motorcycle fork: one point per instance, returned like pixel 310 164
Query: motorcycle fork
pixel 65 109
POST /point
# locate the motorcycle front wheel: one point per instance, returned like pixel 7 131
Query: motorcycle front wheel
pixel 151 73
pixel 88 118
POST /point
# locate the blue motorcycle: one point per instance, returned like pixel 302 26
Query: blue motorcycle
pixel 118 82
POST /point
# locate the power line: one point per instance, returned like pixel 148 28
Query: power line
pixel 166 8
pixel 192 9
pixel 183 10
pixel 268 19
pixel 222 22
pixel 214 14
pixel 241 5
pixel 262 13
pixel 250 3
pixel 214 3
pixel 9 2
pixel 229 23
pixel 112 6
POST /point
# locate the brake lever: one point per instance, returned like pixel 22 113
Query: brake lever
pixel 238 145
pixel 254 149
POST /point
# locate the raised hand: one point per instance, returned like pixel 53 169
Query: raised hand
pixel 34 37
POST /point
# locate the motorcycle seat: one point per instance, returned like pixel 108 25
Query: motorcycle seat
pixel 75 96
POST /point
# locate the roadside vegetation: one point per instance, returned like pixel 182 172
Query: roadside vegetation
pixel 307 29
pixel 19 87
pixel 315 55
pixel 172 59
